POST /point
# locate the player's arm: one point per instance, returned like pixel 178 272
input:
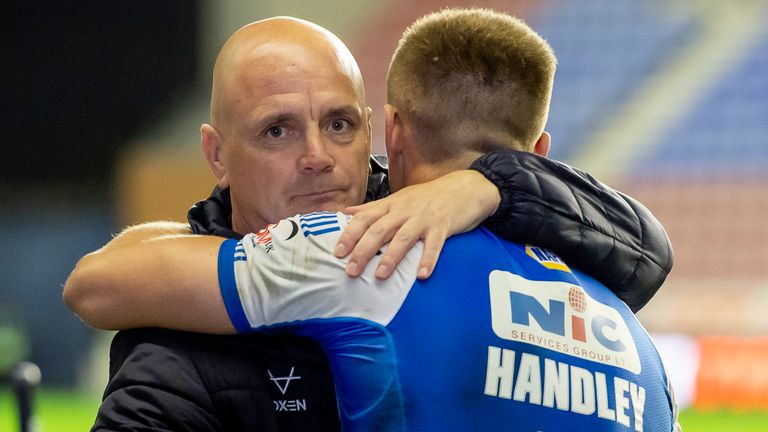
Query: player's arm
pixel 290 273
pixel 151 275
pixel 526 199
pixel 148 278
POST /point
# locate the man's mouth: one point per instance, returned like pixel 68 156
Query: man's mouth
pixel 319 195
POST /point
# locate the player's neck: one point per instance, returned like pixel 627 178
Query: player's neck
pixel 417 171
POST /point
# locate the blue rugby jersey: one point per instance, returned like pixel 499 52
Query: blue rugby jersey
pixel 502 336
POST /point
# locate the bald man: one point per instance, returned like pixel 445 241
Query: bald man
pixel 288 112
pixel 290 129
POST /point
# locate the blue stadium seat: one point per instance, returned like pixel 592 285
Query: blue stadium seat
pixel 727 132
pixel 605 49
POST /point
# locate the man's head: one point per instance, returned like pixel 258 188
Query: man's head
pixel 463 82
pixel 290 131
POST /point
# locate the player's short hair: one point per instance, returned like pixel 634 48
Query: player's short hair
pixel 472 79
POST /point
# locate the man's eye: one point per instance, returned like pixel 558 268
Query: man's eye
pixel 276 131
pixel 340 125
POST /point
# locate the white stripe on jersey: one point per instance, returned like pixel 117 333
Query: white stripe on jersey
pixel 291 274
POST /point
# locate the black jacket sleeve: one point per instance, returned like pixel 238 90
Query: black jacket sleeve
pixel 601 231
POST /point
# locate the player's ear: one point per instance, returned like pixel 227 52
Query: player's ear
pixel 211 142
pixel 392 131
pixel 541 147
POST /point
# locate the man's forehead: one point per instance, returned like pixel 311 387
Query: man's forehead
pixel 299 107
pixel 280 77
pixel 280 60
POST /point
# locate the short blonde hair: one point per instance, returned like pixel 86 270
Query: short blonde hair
pixel 472 79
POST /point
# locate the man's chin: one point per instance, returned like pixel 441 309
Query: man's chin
pixel 328 202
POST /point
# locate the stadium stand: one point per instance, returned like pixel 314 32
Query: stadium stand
pixel 605 50
pixel 724 136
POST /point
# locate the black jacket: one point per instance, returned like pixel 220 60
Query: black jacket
pixel 167 380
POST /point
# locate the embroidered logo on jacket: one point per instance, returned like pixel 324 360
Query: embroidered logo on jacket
pixel 282 383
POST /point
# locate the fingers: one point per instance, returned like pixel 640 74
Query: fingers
pixel 353 210
pixel 376 236
pixel 402 242
pixel 433 245
pixel 365 216
pixel 454 203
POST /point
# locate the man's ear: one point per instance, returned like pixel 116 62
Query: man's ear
pixel 211 142
pixel 392 131
pixel 541 147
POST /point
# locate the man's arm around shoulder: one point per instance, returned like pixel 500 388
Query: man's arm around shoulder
pixel 151 274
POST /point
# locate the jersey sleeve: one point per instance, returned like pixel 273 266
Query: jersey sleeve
pixel 287 272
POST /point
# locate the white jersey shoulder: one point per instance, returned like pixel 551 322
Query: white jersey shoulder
pixel 287 272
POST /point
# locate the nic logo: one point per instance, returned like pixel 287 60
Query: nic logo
pixel 561 317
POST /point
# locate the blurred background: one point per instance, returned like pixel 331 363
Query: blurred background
pixel 666 100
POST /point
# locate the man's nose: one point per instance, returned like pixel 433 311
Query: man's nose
pixel 316 157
